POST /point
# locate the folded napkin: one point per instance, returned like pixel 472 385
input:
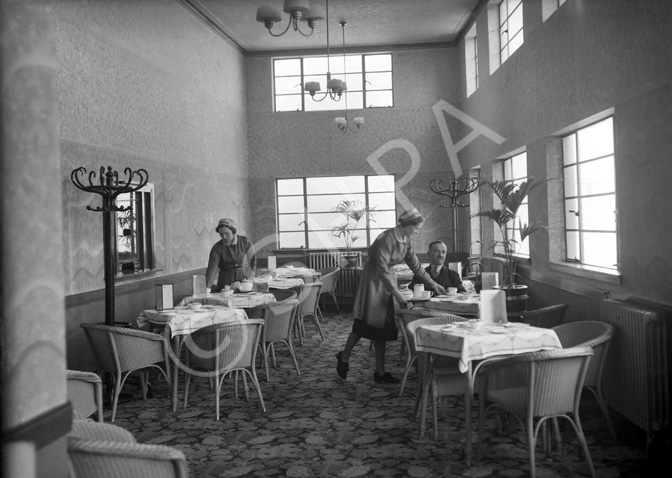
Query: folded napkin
pixel 493 306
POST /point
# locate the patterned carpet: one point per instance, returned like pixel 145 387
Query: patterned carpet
pixel 316 425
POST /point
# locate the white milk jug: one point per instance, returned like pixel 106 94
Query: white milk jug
pixel 418 289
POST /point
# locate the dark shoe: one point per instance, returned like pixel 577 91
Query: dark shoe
pixel 342 367
pixel 386 378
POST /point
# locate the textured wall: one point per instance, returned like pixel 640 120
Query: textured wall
pixel 299 144
pixel 147 85
pixel 577 64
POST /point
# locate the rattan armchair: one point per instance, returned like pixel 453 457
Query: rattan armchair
pixel 536 387
pixel 218 350
pixel 596 335
pixel 122 351
pixel 329 282
pixel 278 323
pixel 308 308
pixel 85 392
pixel 546 317
pixel 103 450
pixel 283 294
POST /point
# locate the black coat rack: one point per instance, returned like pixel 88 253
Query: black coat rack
pixel 109 188
pixel 456 189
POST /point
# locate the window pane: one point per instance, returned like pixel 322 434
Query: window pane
pixel 384 219
pixel 315 66
pixel 378 81
pixel 288 103
pixel 503 13
pixel 570 182
pixel 519 166
pixel 355 82
pixel 571 219
pixel 290 222
pixel 336 184
pixel 287 67
pixel 573 253
pixel 569 149
pixel 287 85
pixel 378 62
pixel 292 240
pixel 596 140
pixel 599 249
pixel 515 43
pixel 327 203
pixel 287 204
pixel 355 100
pixel 382 200
pixel 597 177
pixel 353 63
pixel 325 220
pixel 290 186
pixel 381 183
pixel 598 213
pixel 516 21
pixel 379 99
pixel 375 233
pixel 326 104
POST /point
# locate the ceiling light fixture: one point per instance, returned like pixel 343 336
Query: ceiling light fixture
pixel 298 10
pixel 342 121
pixel 335 87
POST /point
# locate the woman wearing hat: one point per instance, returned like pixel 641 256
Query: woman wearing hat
pixel 374 303
pixel 231 259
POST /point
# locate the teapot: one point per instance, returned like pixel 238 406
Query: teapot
pixel 244 285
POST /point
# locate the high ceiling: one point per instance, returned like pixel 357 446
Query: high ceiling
pixel 370 23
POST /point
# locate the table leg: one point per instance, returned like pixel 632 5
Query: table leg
pixel 467 415
pixel 425 365
pixel 176 349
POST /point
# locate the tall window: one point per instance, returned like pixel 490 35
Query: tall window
pixel 134 231
pixel 306 209
pixel 515 169
pixel 471 60
pixel 510 27
pixel 590 195
pixel 369 79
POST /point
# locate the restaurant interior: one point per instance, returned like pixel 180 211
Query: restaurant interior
pixel 185 97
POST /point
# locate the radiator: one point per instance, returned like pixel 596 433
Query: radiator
pixel 347 279
pixel 635 376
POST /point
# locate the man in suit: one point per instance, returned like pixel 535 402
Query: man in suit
pixel 438 270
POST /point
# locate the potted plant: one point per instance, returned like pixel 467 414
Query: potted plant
pixel 353 212
pixel 511 196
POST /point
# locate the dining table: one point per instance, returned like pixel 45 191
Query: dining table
pixel 192 314
pixel 236 300
pixel 473 343
pixel 304 273
pixel 465 305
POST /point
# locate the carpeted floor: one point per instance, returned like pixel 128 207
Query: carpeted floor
pixel 316 425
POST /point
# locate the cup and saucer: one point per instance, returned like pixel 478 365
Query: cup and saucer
pixel 426 295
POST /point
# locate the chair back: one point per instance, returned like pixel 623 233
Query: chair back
pixel 308 298
pixel 120 349
pixel 596 335
pixel 85 392
pixel 283 294
pixel 547 317
pixel 279 319
pixel 412 321
pixel 224 347
pixel 539 383
pixel 329 282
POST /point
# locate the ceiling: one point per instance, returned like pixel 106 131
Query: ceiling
pixel 370 23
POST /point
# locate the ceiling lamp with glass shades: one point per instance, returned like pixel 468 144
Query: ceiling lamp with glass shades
pixel 298 10
pixel 335 87
pixel 342 121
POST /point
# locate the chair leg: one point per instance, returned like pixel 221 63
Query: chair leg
pixel 264 353
pixel 435 413
pixel 531 445
pixel 255 382
pixel 409 364
pixel 275 362
pixel 187 380
pixel 218 388
pixel 293 354
pixel 603 406
pixel 115 394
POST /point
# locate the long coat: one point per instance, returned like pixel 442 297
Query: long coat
pixel 374 294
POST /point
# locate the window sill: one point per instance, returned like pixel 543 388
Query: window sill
pixel 586 272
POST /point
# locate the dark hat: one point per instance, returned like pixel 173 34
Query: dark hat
pixel 228 223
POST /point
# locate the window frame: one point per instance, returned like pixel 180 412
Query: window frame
pixel 143 226
pixel 507 166
pixel 369 225
pixel 335 105
pixel 504 46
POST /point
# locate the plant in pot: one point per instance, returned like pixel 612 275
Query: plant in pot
pixel 511 196
pixel 353 212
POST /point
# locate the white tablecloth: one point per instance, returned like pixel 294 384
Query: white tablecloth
pixel 285 283
pixel 490 340
pixel 458 305
pixel 236 301
pixel 183 320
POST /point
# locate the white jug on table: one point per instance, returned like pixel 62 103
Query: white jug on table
pixel 418 290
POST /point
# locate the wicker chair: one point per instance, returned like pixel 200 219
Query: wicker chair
pixel 446 378
pixel 103 450
pixel 283 294
pixel 122 351
pixel 308 307
pixel 329 282
pixel 536 387
pixel 278 319
pixel 220 350
pixel 596 335
pixel 547 317
pixel 85 392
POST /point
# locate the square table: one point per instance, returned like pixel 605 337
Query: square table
pixel 461 340
pixel 182 321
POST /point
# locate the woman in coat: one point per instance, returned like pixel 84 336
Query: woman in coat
pixel 231 259
pixel 374 308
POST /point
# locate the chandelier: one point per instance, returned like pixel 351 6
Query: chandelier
pixel 342 121
pixel 335 87
pixel 298 10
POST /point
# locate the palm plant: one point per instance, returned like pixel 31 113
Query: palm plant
pixel 354 212
pixel 511 197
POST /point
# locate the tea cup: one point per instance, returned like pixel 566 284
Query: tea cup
pixel 427 294
pixel 452 290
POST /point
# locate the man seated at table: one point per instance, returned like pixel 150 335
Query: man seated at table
pixel 438 270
